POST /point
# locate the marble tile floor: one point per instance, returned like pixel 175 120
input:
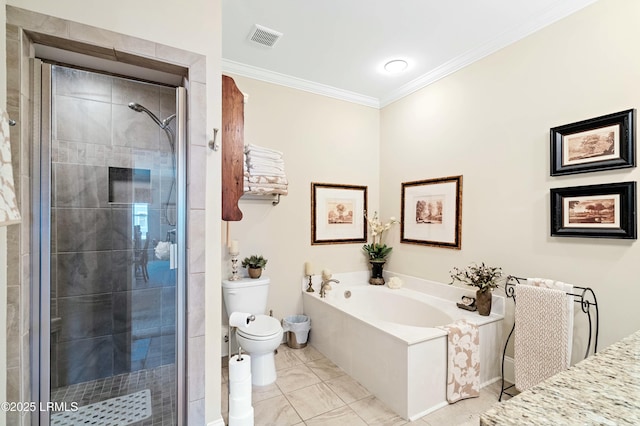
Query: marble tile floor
pixel 311 390
pixel 161 381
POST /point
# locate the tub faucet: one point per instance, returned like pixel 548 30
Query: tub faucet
pixel 325 286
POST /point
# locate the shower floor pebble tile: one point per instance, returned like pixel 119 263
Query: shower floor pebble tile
pixel 311 390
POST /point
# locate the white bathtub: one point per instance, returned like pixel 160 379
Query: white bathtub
pixel 386 339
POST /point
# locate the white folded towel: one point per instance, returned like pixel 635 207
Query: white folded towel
pixel 257 161
pixel 463 360
pixel 541 343
pixel 264 171
pixel 266 166
pixel 267 171
pixel 260 151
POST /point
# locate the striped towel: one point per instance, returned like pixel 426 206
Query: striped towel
pixel 463 360
pixel 541 343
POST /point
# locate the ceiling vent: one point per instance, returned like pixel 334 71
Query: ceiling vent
pixel 264 36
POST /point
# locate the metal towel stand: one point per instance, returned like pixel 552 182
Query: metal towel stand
pixel 584 296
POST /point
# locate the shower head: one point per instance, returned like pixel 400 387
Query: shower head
pixel 136 107
pixel 162 123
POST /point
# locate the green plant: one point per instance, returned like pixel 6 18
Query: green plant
pixel 377 251
pixel 482 276
pixel 254 261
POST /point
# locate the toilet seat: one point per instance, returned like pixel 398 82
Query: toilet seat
pixel 263 327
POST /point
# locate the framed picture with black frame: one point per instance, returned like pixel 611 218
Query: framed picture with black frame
pixel 601 143
pixel 597 211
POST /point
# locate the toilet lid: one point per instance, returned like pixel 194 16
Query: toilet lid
pixel 263 326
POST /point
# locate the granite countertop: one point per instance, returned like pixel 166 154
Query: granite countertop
pixel 603 389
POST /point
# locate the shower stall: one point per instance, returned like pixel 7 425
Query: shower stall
pixel 110 186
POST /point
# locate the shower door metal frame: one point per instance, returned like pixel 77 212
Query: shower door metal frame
pixel 181 240
pixel 41 232
pixel 40 335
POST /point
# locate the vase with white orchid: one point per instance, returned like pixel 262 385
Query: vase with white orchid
pixel 377 251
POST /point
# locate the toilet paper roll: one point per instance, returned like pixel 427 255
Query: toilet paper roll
pixel 239 388
pixel 242 420
pixel 240 319
pixel 239 406
pixel 239 370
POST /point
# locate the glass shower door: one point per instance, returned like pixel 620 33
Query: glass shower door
pixel 114 291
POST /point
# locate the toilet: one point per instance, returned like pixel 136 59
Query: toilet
pixel 263 335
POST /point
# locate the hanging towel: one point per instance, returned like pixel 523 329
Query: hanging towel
pixel 567 288
pixel 541 347
pixel 9 213
pixel 463 360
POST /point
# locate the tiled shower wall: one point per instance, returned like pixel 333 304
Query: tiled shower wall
pixel 106 44
pixel 111 320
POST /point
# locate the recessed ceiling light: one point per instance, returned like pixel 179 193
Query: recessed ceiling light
pixel 395 66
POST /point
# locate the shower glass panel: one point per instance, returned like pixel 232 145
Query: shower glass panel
pixel 113 248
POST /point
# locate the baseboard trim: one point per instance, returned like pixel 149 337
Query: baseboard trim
pixel 219 422
pixel 509 374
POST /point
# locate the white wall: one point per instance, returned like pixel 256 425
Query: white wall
pixel 195 28
pixel 323 140
pixel 490 123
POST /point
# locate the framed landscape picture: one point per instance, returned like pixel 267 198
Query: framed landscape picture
pixel 600 143
pixel 605 211
pixel 432 212
pixel 337 213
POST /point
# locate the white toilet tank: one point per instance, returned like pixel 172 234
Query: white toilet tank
pixel 246 295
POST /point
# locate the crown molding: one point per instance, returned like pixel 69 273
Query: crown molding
pixel 297 83
pixel 554 14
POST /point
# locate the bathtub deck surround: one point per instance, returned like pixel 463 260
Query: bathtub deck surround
pixel 392 333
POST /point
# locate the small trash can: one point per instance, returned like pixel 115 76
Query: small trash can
pixel 297 328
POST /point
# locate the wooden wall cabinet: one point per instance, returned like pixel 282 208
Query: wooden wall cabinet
pixel 232 149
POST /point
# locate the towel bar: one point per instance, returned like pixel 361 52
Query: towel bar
pixel 584 296
pixel 274 198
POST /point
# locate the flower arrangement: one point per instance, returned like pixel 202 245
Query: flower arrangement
pixel 377 251
pixel 482 276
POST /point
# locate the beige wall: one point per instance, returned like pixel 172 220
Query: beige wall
pixel 490 123
pixel 323 140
